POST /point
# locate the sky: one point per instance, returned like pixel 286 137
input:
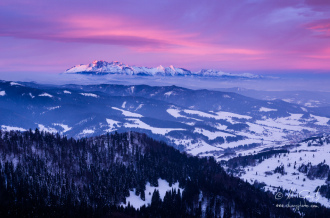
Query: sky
pixel 254 36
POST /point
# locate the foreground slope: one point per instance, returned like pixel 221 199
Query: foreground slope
pixel 42 174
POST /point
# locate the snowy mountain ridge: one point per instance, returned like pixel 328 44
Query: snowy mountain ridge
pixel 115 67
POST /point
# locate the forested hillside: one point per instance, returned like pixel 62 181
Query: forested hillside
pixel 49 175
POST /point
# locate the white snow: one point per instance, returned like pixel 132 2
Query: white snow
pixel 229 115
pixel 87 131
pixel 31 95
pixel 299 182
pixel 220 126
pixel 46 129
pixel 212 135
pixel 15 84
pixel 291 122
pixel 226 96
pixel 127 113
pixel 132 89
pixel 265 109
pixel 163 187
pixel 322 121
pixel 45 95
pixel 53 108
pixel 139 107
pixel 89 95
pixel 115 67
pixel 113 124
pixel 66 92
pixel 289 100
pixel 304 109
pixel 200 113
pixel 168 94
pixel 201 147
pixel 219 115
pixel 136 123
pixel 65 127
pixel 124 104
pixel 174 112
pixel 2 93
pixel 10 128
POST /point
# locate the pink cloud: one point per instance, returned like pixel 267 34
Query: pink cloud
pixel 245 35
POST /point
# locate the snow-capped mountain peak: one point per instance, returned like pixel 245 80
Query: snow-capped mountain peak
pixel 115 67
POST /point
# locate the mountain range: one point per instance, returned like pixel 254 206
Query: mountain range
pixel 115 67
pixel 201 122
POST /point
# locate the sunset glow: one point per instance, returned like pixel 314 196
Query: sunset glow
pixel 254 35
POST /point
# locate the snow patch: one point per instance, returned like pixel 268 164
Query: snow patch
pixel 304 109
pixel 127 113
pixel 46 129
pixel 265 109
pixel 31 95
pixel 168 94
pixel 322 121
pixel 2 93
pixel 66 92
pixel 212 135
pixel 46 95
pixel 53 108
pixel 139 107
pixel 87 131
pixel 15 84
pixel 12 128
pixel 124 104
pixel 113 124
pixel 65 127
pixel 219 115
pixel 136 123
pixel 89 95
pixel 176 113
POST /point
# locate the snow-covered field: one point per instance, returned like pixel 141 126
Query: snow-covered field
pixel 292 180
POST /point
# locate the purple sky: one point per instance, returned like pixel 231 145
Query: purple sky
pixel 234 36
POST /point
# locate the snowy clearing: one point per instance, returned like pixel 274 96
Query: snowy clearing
pixel 136 123
pixel 127 113
pixel 163 187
